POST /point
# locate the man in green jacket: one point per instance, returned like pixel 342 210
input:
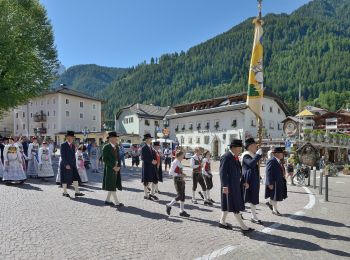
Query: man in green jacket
pixel 111 172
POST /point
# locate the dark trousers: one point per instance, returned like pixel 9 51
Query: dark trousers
pixel 208 181
pixel 198 178
pixel 179 184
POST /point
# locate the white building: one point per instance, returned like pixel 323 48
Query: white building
pixel 56 112
pixel 6 123
pixel 140 119
pixel 213 123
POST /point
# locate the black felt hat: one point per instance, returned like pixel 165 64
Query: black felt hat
pixel 70 133
pixel 278 150
pixel 156 143
pixel 112 134
pixel 236 143
pixel 248 142
pixel 147 136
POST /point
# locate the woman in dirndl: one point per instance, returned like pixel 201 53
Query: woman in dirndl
pixel 33 159
pixel 45 164
pixel 13 169
pixel 79 158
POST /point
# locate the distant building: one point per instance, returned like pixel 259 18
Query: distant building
pixel 140 119
pixel 213 123
pixel 6 124
pixel 59 110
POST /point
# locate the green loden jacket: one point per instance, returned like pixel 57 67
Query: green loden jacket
pixel 111 158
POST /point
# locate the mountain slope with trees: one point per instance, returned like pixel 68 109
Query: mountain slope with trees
pixel 310 47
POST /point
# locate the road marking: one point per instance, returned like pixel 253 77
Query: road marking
pixel 312 199
pixel 266 230
pixel 217 253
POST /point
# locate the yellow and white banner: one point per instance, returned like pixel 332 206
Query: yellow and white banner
pixel 256 76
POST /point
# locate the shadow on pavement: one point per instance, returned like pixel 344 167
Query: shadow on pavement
pixel 90 201
pixel 187 206
pixel 318 221
pixel 294 243
pixel 146 214
pixel 25 186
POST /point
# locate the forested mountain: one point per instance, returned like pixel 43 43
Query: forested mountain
pixel 89 78
pixel 310 47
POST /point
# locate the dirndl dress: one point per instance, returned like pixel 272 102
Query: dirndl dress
pixel 81 167
pixel 33 162
pixel 45 166
pixel 13 164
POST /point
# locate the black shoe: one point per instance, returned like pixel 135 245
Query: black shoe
pixel 276 213
pixel 208 203
pixel 149 189
pixel 269 205
pixel 211 200
pixel 201 194
pixel 66 195
pixel 184 214
pixel 79 194
pixel 194 201
pixel 243 231
pixel 154 197
pixel 109 203
pixel 168 210
pixel 120 205
pixel 147 197
pixel 257 221
pixel 227 226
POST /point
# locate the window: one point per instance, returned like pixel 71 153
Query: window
pixel 94 129
pixel 156 123
pixel 252 122
pixel 93 106
pixel 279 111
pixel 93 117
pixel 190 140
pixel 24 114
pixel 16 115
pixel 131 119
pixel 81 104
pixel 199 126
pixel 81 115
pixel 270 109
pixel 198 141
pixel 48 113
pixel 177 128
pixel 16 127
pixel 147 122
pixel 207 125
pixel 67 113
pixel 183 127
pixel 206 139
pixel 262 107
pixel 234 123
pixel 217 124
pixel 24 126
pixel 54 113
pixel 67 101
pixel 190 127
pixel 31 114
pixel 272 125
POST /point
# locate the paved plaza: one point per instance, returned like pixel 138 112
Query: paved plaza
pixel 36 222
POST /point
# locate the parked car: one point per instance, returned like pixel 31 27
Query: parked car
pixel 188 155
pixel 127 149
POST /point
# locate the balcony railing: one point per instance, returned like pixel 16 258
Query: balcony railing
pixel 40 117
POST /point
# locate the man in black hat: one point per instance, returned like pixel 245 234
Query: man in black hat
pixel 231 195
pixel 251 176
pixel 68 167
pixel 149 163
pixel 275 183
pixel 159 169
pixel 111 172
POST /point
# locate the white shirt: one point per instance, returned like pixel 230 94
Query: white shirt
pixel 193 165
pixel 174 165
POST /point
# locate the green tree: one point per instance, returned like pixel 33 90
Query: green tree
pixel 28 58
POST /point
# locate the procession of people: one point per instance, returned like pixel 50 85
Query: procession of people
pixel 239 171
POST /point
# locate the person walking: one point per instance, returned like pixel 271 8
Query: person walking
pixel 231 193
pixel 33 158
pixel 68 166
pixel 111 171
pixel 251 177
pixel 149 173
pixel 275 189
pixel 176 170
pixel 45 169
pixel 79 158
pixel 94 155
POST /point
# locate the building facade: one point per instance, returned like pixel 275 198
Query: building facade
pixel 6 123
pixel 139 119
pixel 56 112
pixel 212 124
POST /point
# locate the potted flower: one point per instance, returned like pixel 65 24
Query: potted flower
pixel 346 169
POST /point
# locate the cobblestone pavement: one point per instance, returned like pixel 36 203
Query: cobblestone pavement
pixel 36 222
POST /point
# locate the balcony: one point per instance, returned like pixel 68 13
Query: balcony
pixel 40 117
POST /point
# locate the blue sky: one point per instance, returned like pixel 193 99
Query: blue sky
pixel 123 33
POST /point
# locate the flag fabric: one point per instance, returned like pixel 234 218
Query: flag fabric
pixel 256 77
